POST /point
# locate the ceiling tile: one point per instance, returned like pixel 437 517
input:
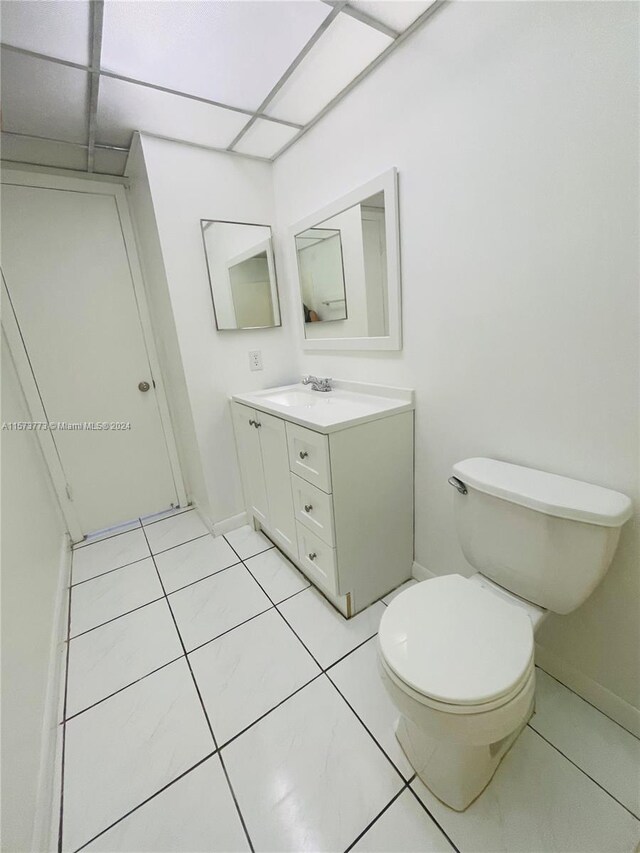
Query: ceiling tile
pixel 107 162
pixel 232 52
pixel 265 138
pixel 341 53
pixel 43 153
pixel 397 14
pixel 125 107
pixel 44 99
pixel 56 27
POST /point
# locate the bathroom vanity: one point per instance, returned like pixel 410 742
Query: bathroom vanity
pixel 329 477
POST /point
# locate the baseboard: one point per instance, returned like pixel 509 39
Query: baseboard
pixel 603 699
pixel 229 524
pixel 45 824
pixel 420 573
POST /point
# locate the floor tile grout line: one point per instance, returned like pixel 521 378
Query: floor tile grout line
pixel 203 706
pixel 148 799
pixel 180 544
pixel 229 630
pixel 431 815
pixel 120 689
pixel 113 618
pixel 377 817
pixel 267 713
pixel 624 728
pixel 351 651
pixel 583 771
pixel 203 578
pixel 64 714
pixel 110 571
pixel 365 727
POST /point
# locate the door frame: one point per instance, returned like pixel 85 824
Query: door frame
pixel 19 352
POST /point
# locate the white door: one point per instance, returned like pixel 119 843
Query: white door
pixel 250 458
pixel 67 272
pixel 275 462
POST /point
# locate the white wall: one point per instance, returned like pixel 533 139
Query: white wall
pixel 164 329
pixel 188 184
pixel 514 127
pixel 33 539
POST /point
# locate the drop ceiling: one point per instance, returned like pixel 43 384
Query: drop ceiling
pixel 79 77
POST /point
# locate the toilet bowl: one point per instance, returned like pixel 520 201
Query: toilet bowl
pixel 456 654
pixel 464 702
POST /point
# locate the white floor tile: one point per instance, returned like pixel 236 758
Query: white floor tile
pixel 276 575
pixel 390 596
pixel 247 542
pixel 537 801
pixel 405 827
pixel 107 534
pixel 325 632
pixel 194 815
pixel 245 673
pixel 113 594
pixel 120 752
pixel 358 679
pixel 118 653
pixel 100 557
pixel 167 513
pixel 603 749
pixel 307 776
pixel 208 608
pixel 174 531
pixel 194 560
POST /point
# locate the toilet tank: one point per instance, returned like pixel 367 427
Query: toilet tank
pixel 547 538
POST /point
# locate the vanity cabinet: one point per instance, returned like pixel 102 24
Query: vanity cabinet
pixel 339 505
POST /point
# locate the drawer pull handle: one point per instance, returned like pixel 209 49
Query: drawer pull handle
pixel 303 454
pixel 252 422
pixel 312 556
pixel 257 424
pixel 308 507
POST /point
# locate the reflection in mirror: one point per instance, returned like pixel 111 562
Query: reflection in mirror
pixel 320 267
pixel 242 274
pixel 342 262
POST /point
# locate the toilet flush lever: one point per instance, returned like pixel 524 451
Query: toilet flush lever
pixel 458 484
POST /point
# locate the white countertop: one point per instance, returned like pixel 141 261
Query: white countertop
pixel 348 404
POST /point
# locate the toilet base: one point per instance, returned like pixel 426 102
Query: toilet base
pixel 456 773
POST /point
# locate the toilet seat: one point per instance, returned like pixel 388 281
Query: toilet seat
pixel 457 645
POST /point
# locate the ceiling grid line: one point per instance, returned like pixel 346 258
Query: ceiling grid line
pixel 419 21
pixel 324 26
pixel 364 18
pixel 390 26
pixel 97 18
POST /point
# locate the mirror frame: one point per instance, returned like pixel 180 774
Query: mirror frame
pixel 387 182
pixel 271 263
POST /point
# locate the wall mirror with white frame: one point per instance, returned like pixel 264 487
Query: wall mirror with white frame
pixel 242 274
pixel 347 261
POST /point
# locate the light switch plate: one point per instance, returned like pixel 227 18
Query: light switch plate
pixel 255 359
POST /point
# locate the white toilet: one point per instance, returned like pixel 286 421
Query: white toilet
pixel 457 654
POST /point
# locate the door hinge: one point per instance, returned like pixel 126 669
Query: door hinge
pixel 67 489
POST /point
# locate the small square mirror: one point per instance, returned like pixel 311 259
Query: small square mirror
pixel 242 274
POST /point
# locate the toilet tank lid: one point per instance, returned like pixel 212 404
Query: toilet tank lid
pixel 547 493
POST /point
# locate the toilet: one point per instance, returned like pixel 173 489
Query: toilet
pixel 456 654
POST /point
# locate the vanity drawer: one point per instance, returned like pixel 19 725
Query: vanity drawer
pixel 313 508
pixel 318 560
pixel 309 456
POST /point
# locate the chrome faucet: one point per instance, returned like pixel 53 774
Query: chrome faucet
pixel 316 383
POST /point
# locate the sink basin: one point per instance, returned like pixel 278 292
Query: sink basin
pixel 298 398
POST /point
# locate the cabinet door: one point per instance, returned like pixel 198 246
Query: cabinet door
pixel 275 461
pixel 250 458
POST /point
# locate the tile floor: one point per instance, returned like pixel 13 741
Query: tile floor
pixel 216 702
